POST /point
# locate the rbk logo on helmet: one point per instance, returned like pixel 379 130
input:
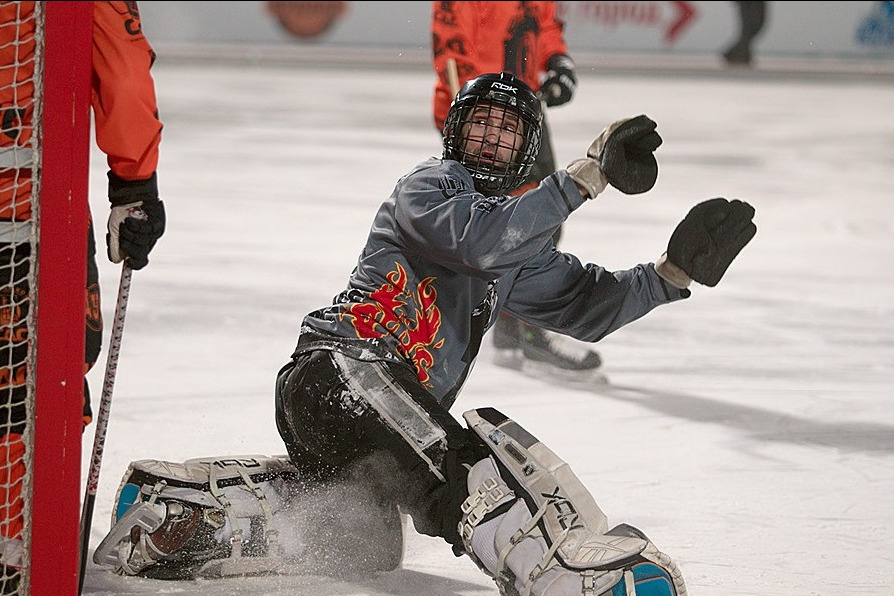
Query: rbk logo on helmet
pixel 504 87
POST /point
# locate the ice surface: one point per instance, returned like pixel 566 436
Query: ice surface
pixel 749 431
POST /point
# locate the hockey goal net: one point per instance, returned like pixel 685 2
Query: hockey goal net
pixel 45 63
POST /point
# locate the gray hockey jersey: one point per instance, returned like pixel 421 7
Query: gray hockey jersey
pixel 441 260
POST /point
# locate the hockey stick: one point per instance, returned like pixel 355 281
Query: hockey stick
pixel 452 76
pixel 102 419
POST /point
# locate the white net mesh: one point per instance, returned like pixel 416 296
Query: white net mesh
pixel 20 43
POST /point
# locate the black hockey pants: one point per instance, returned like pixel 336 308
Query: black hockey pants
pixel 341 417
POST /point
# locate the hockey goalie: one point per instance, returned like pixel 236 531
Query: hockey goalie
pixel 363 403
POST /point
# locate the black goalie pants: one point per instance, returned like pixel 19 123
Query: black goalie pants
pixel 371 421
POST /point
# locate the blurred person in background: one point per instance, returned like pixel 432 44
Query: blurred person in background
pixel 752 17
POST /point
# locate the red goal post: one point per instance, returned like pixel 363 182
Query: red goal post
pixel 45 66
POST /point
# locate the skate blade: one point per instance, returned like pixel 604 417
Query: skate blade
pixel 544 371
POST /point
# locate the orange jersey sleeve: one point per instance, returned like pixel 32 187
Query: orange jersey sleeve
pixel 17 53
pixel 518 37
pixel 125 109
pixel 551 34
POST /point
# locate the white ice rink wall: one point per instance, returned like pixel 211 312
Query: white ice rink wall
pixel 860 34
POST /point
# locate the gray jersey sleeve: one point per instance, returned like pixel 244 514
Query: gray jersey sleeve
pixel 555 290
pixel 445 220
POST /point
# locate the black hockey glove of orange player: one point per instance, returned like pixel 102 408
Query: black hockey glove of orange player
pixel 623 155
pixel 560 82
pixel 136 222
pixel 707 240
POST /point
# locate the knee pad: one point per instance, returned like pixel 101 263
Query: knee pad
pixel 531 525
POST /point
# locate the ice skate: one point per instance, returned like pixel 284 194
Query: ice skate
pixel 544 354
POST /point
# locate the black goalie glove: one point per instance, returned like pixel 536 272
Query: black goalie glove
pixel 136 221
pixel 708 239
pixel 560 82
pixel 623 156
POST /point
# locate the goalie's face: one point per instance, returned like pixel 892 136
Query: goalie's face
pixel 492 137
pixel 493 129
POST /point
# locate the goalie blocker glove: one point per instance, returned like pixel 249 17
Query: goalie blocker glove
pixel 136 222
pixel 704 244
pixel 623 156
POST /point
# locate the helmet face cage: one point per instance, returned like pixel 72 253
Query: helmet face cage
pixel 497 159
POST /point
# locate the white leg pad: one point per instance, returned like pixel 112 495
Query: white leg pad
pixel 546 536
pixel 512 550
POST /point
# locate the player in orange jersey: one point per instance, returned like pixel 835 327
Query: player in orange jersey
pixel 128 131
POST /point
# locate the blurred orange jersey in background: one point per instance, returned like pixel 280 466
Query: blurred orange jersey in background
pixel 129 134
pixel 518 37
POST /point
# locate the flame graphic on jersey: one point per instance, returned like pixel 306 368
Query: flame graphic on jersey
pixel 411 317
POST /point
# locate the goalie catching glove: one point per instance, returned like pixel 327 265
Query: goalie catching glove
pixel 707 240
pixel 623 156
pixel 136 222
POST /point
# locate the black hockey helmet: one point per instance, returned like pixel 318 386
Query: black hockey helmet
pixel 503 92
